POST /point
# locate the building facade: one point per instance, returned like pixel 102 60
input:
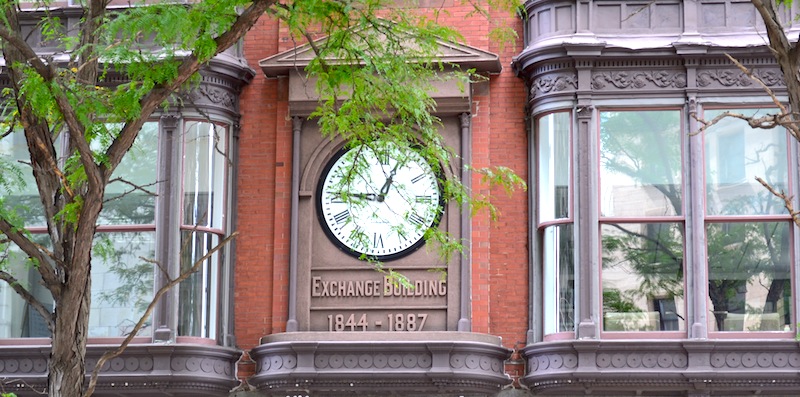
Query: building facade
pixel 645 258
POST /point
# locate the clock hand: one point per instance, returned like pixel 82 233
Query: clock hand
pixel 385 188
pixel 367 196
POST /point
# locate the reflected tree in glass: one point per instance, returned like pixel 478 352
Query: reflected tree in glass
pixel 640 178
pixel 749 275
pixel 749 262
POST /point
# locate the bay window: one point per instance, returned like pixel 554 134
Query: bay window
pixel 660 260
pixel 126 265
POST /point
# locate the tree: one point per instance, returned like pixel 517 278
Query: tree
pixel 372 78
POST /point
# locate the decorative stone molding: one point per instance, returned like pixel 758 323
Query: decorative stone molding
pixel 638 79
pixel 417 363
pixel 554 83
pixel 737 78
pixel 758 366
pixel 143 370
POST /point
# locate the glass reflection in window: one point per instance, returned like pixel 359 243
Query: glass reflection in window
pixel 642 277
pixel 640 163
pixel 735 155
pixel 205 165
pixel 554 166
pixel 559 279
pixel 749 276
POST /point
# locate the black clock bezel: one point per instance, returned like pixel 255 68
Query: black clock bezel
pixel 360 255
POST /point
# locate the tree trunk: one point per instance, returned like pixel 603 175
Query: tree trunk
pixel 67 357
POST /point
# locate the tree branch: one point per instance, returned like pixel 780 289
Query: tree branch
pixel 28 298
pixel 33 250
pixel 134 187
pixel 188 67
pixel 47 71
pixel 787 200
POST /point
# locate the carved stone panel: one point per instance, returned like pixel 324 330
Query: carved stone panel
pixel 340 293
pixel 431 363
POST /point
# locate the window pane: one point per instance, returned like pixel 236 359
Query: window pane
pixel 122 287
pixel 642 277
pixel 17 185
pixel 122 282
pixel 749 276
pixel 199 294
pixel 131 200
pixel 18 319
pixel 554 166
pixel 205 167
pixel 559 279
pixel 640 163
pixel 735 155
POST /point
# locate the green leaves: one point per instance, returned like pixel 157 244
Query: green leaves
pixel 375 76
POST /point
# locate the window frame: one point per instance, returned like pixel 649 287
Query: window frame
pixel 782 216
pixel 543 226
pixel 169 200
pixel 680 219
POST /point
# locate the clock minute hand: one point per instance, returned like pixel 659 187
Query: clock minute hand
pixel 366 196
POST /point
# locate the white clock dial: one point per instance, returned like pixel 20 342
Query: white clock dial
pixel 378 203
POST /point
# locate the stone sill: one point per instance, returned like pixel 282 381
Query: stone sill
pixel 143 370
pixel 385 363
pixel 752 366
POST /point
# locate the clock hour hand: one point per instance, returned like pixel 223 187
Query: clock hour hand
pixel 385 188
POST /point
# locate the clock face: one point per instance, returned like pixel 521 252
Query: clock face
pixel 378 203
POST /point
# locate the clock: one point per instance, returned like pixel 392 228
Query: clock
pixel 378 201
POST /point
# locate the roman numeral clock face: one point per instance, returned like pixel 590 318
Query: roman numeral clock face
pixel 378 203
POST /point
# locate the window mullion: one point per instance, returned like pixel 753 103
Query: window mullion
pixel 587 307
pixel 168 224
pixel 697 274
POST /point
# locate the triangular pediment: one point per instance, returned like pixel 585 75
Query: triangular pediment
pixel 466 57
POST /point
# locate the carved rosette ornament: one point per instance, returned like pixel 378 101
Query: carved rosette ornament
pixel 737 78
pixel 638 80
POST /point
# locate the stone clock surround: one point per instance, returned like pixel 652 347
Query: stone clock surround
pixel 444 359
